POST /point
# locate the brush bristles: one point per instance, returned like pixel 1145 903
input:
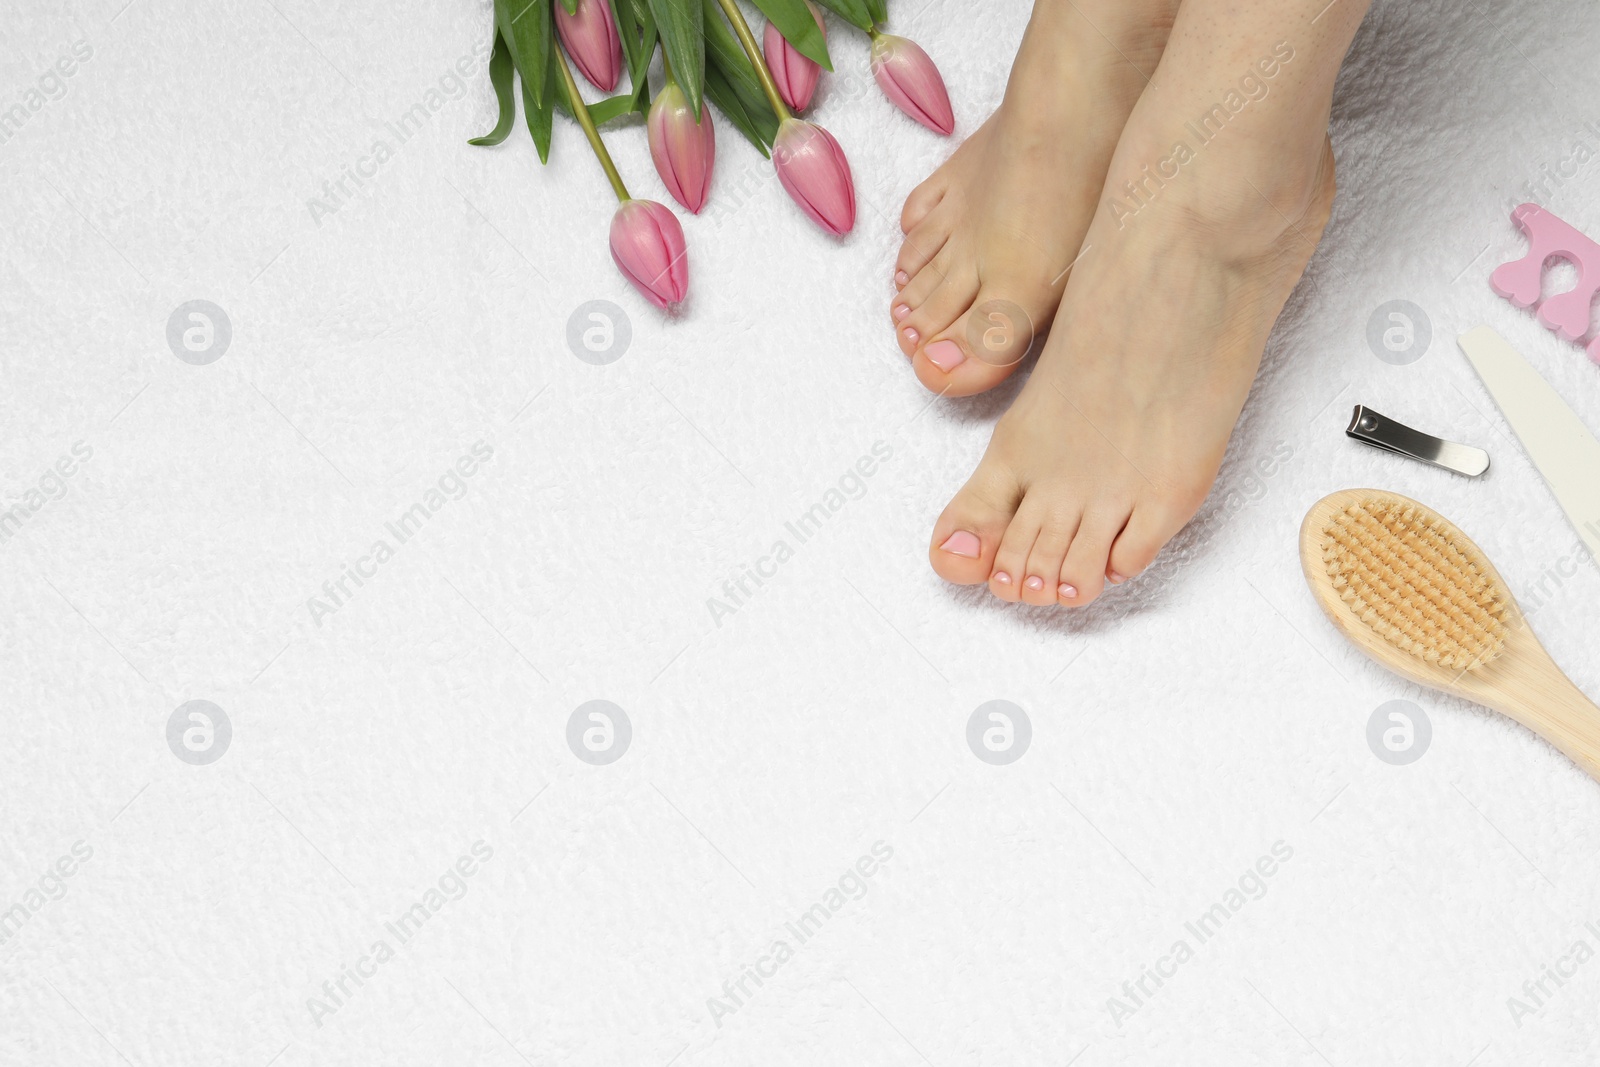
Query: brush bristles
pixel 1404 573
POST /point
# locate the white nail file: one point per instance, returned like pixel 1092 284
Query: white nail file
pixel 1557 441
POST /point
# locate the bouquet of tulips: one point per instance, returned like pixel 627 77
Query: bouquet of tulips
pixel 707 52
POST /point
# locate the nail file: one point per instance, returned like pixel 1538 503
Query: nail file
pixel 1371 428
pixel 1557 441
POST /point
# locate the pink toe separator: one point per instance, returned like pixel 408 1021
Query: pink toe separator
pixel 1518 281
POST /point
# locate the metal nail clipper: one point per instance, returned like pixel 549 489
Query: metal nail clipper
pixel 1380 431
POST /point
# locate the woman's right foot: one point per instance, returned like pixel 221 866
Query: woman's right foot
pixel 993 233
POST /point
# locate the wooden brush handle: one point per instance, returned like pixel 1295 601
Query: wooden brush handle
pixel 1545 701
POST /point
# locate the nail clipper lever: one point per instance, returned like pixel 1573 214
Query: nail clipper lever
pixel 1380 431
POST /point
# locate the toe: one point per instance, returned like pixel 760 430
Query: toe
pixel 922 244
pixel 923 199
pixel 1011 560
pixel 917 292
pixel 926 280
pixel 997 329
pixel 1149 528
pixel 980 348
pixel 1049 552
pixel 931 316
pixel 1083 574
pixel 967 536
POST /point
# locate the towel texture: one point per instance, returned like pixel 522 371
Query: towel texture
pixel 572 685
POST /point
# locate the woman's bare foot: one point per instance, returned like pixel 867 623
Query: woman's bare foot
pixel 1115 440
pixel 991 234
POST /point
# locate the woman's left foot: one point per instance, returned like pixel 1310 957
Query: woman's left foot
pixel 992 234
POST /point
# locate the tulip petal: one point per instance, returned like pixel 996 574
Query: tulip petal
pixel 648 247
pixel 794 73
pixel 813 170
pixel 590 38
pixel 683 150
pixel 909 78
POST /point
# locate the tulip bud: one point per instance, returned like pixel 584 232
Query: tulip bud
pixel 814 172
pixel 647 244
pixel 795 75
pixel 590 38
pixel 682 148
pixel 908 78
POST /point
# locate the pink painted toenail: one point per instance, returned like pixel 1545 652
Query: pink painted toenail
pixel 946 355
pixel 901 311
pixel 1002 577
pixel 1034 582
pixel 901 278
pixel 1067 591
pixel 962 543
pixel 1116 579
pixel 911 335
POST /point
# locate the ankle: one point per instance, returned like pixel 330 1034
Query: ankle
pixel 1121 38
pixel 1148 22
pixel 1238 199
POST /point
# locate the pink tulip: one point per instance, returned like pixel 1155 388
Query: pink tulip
pixel 795 75
pixel 682 148
pixel 590 38
pixel 647 244
pixel 909 79
pixel 813 170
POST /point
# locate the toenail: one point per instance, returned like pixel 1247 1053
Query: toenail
pixel 1002 577
pixel 1034 582
pixel 1116 579
pixel 962 543
pixel 901 278
pixel 1067 591
pixel 901 311
pixel 946 355
pixel 911 335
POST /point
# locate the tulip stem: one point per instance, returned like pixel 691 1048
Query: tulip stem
pixel 580 111
pixel 741 29
pixel 666 66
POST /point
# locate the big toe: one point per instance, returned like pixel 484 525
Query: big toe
pixel 982 346
pixel 968 533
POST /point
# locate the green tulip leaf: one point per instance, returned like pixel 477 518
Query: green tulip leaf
pixel 500 68
pixel 794 21
pixel 612 107
pixel 879 10
pixel 571 6
pixel 525 24
pixel 638 34
pixel 721 93
pixel 683 37
pixel 724 52
pixel 541 116
pixel 628 34
pixel 649 38
pixel 601 111
pixel 855 12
